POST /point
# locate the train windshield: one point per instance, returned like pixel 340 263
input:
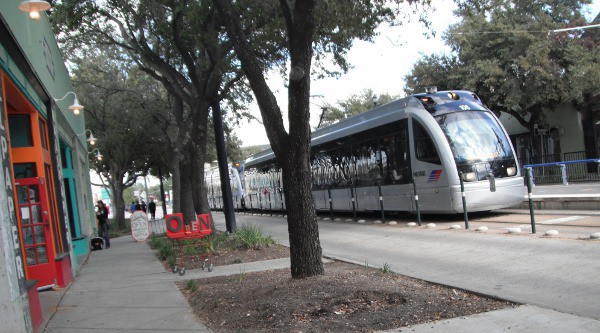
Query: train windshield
pixel 475 136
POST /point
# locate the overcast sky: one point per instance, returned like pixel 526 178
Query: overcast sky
pixel 380 66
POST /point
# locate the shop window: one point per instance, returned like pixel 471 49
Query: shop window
pixel 24 170
pixel 43 132
pixel 20 130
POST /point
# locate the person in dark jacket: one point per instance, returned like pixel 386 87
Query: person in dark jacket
pixel 152 209
pixel 102 217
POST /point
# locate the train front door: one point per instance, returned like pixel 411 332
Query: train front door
pixel 34 224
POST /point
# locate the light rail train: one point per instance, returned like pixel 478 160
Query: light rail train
pixel 424 144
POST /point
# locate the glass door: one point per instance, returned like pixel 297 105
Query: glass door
pixel 35 229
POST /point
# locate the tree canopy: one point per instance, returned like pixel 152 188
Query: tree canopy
pixel 509 54
pixel 352 106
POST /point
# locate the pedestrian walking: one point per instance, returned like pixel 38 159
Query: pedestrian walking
pixel 102 218
pixel 152 209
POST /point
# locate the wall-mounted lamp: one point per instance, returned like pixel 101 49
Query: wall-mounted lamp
pixel 91 140
pixel 76 107
pixel 98 155
pixel 34 7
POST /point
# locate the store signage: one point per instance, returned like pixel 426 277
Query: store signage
pixel 8 218
pixel 139 226
pixel 198 228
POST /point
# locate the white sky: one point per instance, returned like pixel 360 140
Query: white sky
pixel 379 66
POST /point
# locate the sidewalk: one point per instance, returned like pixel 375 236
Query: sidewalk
pixel 121 289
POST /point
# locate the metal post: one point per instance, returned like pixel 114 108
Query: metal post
pixel 381 201
pixel 353 195
pixel 529 182
pixel 281 197
pixel 270 205
pixel 223 168
pixel 464 199
pixel 417 201
pixel 563 171
pixel 330 202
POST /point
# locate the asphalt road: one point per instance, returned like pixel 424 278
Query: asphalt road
pixel 554 273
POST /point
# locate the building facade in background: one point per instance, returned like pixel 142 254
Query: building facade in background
pixel 46 209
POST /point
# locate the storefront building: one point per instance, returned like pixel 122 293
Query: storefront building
pixel 46 210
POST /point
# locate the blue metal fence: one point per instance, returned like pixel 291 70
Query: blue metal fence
pixel 566 171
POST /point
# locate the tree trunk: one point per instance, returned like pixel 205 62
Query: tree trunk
pixel 118 208
pixel 186 192
pixel 305 246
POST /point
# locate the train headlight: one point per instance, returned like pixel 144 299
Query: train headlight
pixel 469 176
pixel 511 171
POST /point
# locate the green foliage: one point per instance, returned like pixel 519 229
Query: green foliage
pixel 165 252
pixel 386 268
pixel 251 236
pixel 191 285
pixel 354 105
pixel 156 241
pixel 504 51
pixel 171 261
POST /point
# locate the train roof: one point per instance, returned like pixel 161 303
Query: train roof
pixel 436 103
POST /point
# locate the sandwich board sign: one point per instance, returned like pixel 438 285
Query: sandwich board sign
pixel 139 226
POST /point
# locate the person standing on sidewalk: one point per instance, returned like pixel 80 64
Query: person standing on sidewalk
pixel 152 209
pixel 102 217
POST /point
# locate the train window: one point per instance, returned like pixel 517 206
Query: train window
pixel 424 147
pixel 368 162
pixel 396 161
pixel 334 168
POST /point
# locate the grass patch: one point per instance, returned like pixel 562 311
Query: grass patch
pixel 251 236
pixel 191 285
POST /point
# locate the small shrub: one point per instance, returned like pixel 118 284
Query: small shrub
pixel 156 242
pixel 251 236
pixel 171 261
pixel 165 252
pixel 191 285
pixel 386 268
pixel 218 239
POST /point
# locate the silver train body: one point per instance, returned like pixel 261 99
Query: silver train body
pixel 375 161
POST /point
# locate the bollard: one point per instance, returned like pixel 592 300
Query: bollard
pixel 417 202
pixel 381 201
pixel 529 183
pixel 563 172
pixel 270 205
pixel 530 180
pixel 281 198
pixel 464 199
pixel 330 202
pixel 352 194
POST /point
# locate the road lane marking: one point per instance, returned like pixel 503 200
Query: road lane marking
pixel 564 219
